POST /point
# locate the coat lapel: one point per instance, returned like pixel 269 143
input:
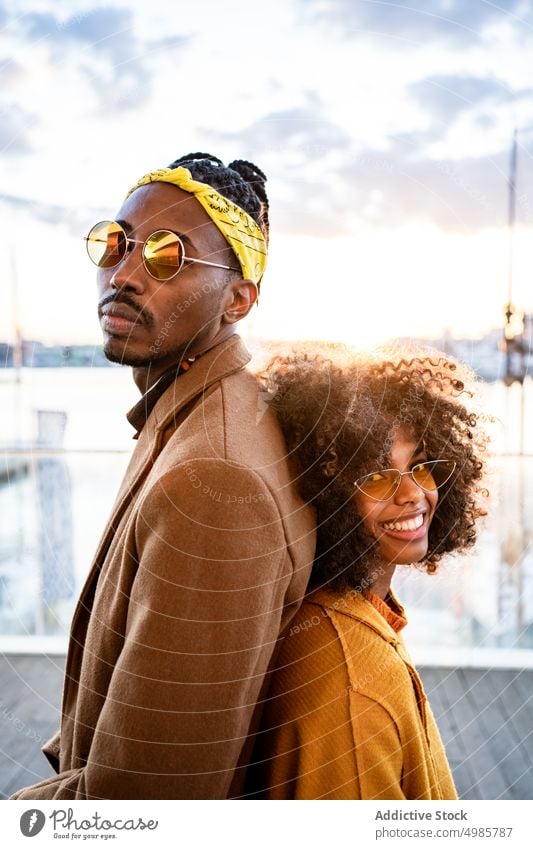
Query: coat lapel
pixel 224 359
pixel 228 357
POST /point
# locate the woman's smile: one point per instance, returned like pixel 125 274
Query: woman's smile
pixel 408 527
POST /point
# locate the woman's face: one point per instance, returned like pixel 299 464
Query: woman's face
pixel 401 524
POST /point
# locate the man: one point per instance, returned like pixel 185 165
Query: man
pixel 207 553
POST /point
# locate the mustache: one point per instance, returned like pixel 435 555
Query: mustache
pixel 124 298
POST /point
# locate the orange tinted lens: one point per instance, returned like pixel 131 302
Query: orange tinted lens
pixel 433 474
pixel 380 485
pixel 106 244
pixel 423 475
pixel 163 254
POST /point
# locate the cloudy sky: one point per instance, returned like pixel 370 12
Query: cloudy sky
pixel 384 128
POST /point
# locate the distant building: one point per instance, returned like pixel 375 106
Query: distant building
pixel 6 355
pixel 37 355
pixel 485 356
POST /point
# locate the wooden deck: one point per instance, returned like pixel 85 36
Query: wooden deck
pixel 485 718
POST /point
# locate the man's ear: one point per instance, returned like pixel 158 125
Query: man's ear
pixel 241 295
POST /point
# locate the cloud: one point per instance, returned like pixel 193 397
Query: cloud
pixel 74 220
pixel 10 72
pixel 107 30
pixel 303 131
pixel 119 89
pixel 115 62
pixel 39 25
pixel 108 53
pixel 15 130
pixel 303 144
pixel 323 186
pixel 462 195
pixel 169 42
pixel 445 97
pixel 420 20
pixel 321 196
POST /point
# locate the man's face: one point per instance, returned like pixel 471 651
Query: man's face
pixel 146 320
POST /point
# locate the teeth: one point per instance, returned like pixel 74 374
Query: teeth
pixel 408 525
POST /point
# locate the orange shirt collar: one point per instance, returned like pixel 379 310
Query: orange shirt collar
pixel 392 612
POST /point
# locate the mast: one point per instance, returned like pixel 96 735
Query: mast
pixel 512 214
pixel 515 361
pixel 17 340
pixel 509 310
pixel 511 571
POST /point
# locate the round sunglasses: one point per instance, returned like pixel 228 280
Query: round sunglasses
pixel 429 476
pixel 162 252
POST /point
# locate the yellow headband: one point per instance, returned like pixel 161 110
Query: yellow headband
pixel 237 227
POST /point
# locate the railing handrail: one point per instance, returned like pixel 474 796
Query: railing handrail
pixel 58 452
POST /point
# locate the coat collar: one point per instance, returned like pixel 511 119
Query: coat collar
pixel 356 606
pixel 224 359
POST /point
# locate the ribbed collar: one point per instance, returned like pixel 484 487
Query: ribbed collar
pixel 390 609
pixel 385 619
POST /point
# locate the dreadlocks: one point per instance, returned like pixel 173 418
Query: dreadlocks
pixel 240 181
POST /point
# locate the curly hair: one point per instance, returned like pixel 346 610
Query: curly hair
pixel 339 415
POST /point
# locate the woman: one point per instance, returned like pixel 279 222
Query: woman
pixel 392 460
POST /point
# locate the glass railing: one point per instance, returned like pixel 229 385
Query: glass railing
pixel 54 506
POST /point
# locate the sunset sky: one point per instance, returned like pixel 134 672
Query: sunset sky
pixel 384 127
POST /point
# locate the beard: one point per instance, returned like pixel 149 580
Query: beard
pixel 123 358
pixel 117 349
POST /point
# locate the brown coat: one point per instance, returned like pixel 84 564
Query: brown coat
pixel 202 565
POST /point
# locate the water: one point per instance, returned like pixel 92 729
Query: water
pixel 51 519
pixel 95 400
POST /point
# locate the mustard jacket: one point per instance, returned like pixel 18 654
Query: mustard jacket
pixel 346 716
pixel 203 563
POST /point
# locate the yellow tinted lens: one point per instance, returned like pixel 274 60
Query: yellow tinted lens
pixel 380 485
pixel 163 254
pixel 106 244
